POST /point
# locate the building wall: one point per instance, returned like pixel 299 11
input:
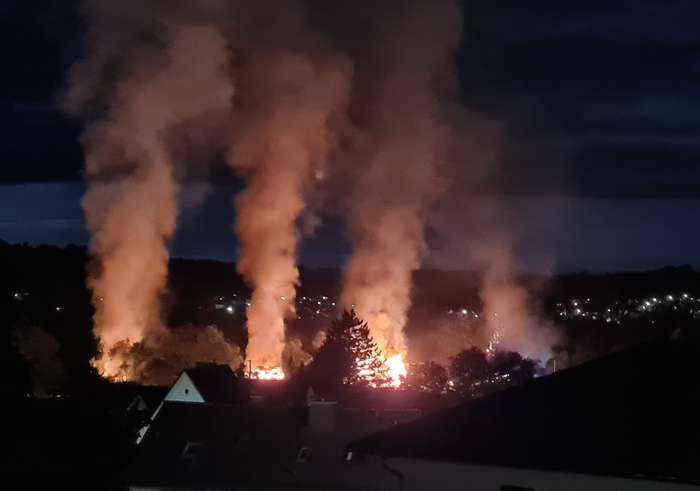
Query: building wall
pixel 421 475
pixel 183 390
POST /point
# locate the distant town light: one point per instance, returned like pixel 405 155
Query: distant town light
pixel 229 309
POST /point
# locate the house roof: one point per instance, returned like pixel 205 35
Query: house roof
pixel 213 445
pixel 217 383
pixel 630 414
pixel 120 395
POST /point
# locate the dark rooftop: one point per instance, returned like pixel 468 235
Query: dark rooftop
pixel 217 383
pixel 631 414
pixel 212 445
pixel 121 395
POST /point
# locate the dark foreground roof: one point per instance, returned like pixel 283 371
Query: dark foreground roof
pixel 630 414
pixel 218 384
pixel 212 446
pixel 225 446
pixel 73 444
pixel 120 396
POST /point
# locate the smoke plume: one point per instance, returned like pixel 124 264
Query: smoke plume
pixel 289 92
pixel 510 318
pixel 397 151
pixel 294 356
pixel 320 114
pixel 146 73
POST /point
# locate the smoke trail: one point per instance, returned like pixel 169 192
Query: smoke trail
pixel 294 356
pixel 289 94
pixel 398 154
pixel 508 313
pixel 146 86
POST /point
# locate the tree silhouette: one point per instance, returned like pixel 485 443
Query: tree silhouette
pixel 369 364
pixel 348 356
pixel 508 368
pixel 429 377
pixel 475 374
pixel 469 369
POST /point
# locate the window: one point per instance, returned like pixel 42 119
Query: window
pixel 509 487
pixel 303 454
pixel 187 391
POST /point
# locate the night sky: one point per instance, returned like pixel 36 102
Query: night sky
pixel 598 101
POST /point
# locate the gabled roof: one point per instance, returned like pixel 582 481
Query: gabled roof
pixel 632 414
pixel 217 384
pixel 222 446
pixel 121 395
pixel 213 446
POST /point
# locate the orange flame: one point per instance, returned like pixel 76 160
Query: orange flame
pixel 114 366
pixel 397 370
pixel 267 373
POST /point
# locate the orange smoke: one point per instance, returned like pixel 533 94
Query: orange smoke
pixel 131 202
pixel 397 156
pixel 508 313
pixel 282 136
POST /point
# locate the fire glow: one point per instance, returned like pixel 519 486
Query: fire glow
pixel 397 370
pixel 267 373
pixel 278 117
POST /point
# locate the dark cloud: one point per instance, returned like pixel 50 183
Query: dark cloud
pixel 581 86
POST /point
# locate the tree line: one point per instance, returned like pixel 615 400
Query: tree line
pixel 350 357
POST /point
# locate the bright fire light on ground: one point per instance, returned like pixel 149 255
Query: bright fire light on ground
pixel 265 373
pixel 397 370
pixel 113 367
